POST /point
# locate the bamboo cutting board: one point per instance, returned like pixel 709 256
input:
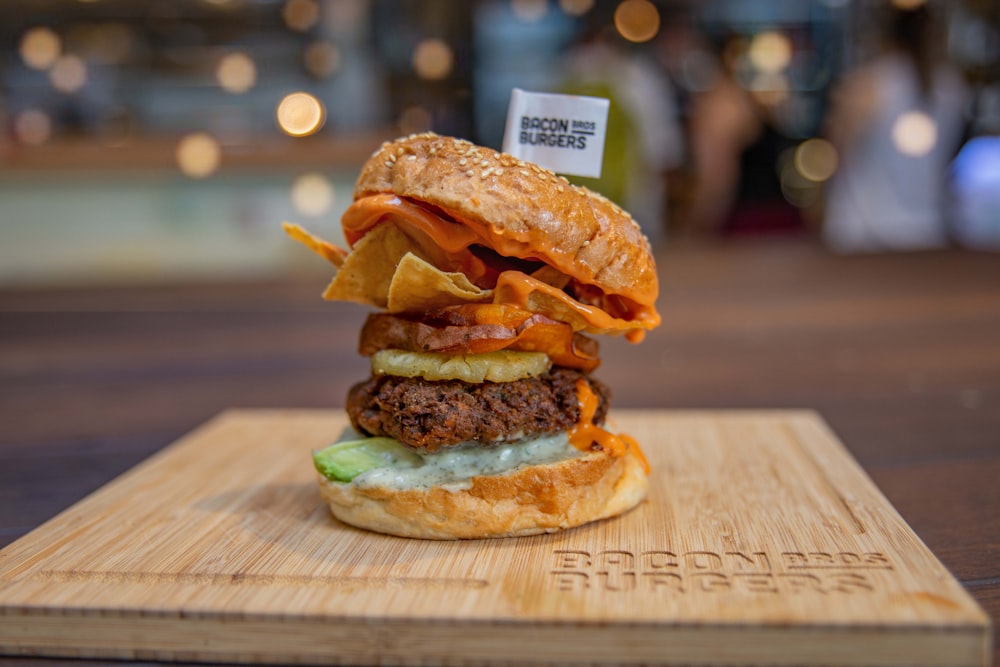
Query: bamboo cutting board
pixel 761 543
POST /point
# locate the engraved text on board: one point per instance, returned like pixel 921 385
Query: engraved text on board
pixel 713 572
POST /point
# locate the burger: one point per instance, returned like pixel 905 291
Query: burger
pixel 490 277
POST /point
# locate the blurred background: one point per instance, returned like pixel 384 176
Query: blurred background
pixel 821 179
pixel 157 141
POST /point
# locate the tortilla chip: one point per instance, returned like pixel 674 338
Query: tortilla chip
pixel 419 286
pixel 368 270
pixel 385 269
pixel 331 253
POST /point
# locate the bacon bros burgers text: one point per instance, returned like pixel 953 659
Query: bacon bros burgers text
pixel 491 275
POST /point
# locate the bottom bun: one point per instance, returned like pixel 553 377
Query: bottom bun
pixel 529 500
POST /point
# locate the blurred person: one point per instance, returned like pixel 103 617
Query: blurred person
pixel 895 122
pixel 644 137
pixel 736 145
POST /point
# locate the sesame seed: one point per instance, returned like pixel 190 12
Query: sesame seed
pixel 411 158
pixel 392 158
pixel 462 162
pixel 586 243
pixel 498 171
pixel 524 172
pixel 388 164
pixel 484 163
pixel 469 173
pixel 486 173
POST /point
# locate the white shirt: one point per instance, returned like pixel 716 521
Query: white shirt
pixel 889 192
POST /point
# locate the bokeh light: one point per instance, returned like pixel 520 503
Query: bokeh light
pixel 312 194
pixel 908 5
pixel 770 51
pixel 300 15
pixel 770 89
pixel 40 47
pixel 68 74
pixel 33 127
pixel 300 114
pixel 415 119
pixel 236 73
pixel 322 59
pixel 529 11
pixel 797 189
pixel 637 20
pixel 914 133
pixel 576 7
pixel 198 155
pixel 816 159
pixel 433 59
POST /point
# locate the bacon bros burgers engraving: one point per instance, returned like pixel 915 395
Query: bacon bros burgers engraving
pixel 702 571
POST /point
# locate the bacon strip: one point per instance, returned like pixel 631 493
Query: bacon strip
pixel 459 330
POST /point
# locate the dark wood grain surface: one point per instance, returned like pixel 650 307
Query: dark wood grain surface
pixel 900 354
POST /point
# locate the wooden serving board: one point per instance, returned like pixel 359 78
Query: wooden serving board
pixel 762 543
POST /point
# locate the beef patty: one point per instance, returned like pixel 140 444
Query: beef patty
pixel 430 415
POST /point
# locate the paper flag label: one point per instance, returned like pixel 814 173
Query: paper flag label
pixel 564 133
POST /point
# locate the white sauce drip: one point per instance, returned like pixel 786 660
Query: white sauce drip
pixel 454 467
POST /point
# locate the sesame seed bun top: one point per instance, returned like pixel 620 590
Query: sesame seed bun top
pixel 574 229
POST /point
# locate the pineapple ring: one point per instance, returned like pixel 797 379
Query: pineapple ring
pixel 498 366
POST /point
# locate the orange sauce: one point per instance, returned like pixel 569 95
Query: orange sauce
pixel 446 243
pixel 515 288
pixel 585 432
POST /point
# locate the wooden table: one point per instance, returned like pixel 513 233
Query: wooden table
pixel 900 354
